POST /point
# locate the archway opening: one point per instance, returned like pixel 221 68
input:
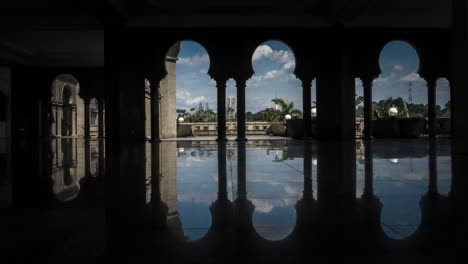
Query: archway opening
pixel 187 94
pixel 273 94
pixel 399 94
pixel 67 114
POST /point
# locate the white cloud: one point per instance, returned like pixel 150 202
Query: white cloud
pixel 195 60
pixel 398 67
pixel 187 99
pixel 286 58
pixel 260 80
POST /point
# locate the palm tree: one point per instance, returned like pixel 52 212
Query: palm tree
pixel 286 109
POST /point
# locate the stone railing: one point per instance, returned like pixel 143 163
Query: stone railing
pixel 211 128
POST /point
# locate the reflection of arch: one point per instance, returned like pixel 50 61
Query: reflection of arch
pixel 406 226
pixel 275 232
pixel 67 107
pixel 66 185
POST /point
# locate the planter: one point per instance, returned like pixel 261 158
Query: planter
pixel 398 127
pixel 277 129
pixel 411 127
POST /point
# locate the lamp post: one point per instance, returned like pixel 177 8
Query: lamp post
pixel 393 111
pixel 314 112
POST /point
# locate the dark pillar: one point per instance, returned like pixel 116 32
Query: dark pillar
pixel 306 107
pixel 154 86
pixel 101 117
pixel 431 96
pixel 86 119
pixel 221 101
pixel 240 84
pixel 336 91
pixel 459 93
pixel 367 84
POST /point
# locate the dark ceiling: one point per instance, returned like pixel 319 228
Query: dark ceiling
pixel 71 32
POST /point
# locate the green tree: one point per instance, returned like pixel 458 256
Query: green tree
pixel 286 109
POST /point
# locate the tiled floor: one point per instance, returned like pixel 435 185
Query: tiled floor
pixel 286 201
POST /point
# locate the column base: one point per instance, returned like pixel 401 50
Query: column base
pixel 241 139
pixel 308 138
pixel 223 139
pixel 156 140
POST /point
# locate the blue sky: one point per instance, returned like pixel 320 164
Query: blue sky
pixel 273 63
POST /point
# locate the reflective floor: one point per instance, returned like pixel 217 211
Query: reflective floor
pixel 279 201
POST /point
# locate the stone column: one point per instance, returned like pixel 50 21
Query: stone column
pixel 431 113
pixel 367 84
pixel 221 101
pixel 101 117
pixel 154 86
pixel 307 107
pixel 241 84
pixel 86 119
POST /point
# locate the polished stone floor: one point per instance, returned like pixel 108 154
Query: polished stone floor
pixel 275 201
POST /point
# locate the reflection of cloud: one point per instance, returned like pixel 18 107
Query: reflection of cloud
pixel 398 67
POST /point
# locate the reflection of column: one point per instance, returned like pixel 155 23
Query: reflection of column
pixel 308 191
pixel 159 208
pixel 240 84
pixel 222 180
pixel 101 160
pixel 307 107
pixel 368 171
pixel 432 188
pixel 101 117
pixel 154 86
pixel 86 119
pixel 367 85
pixel 431 111
pixel 221 101
pixel 87 158
pixel 222 209
pixel 241 172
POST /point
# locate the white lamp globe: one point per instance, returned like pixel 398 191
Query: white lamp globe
pixel 181 119
pixel 314 111
pixel 314 161
pixel 393 111
pixel 393 161
pixel 287 117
